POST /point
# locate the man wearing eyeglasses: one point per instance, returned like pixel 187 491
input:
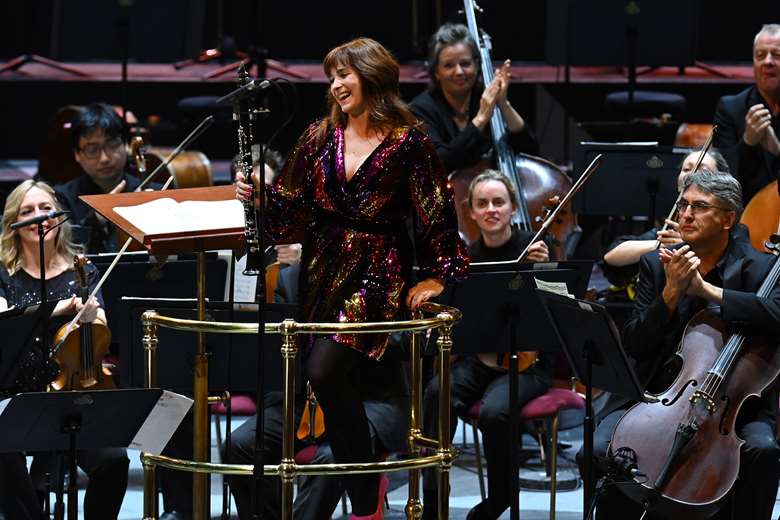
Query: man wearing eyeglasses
pixel 709 271
pixel 749 122
pixel 99 146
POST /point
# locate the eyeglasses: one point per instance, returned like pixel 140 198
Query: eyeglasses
pixel 697 207
pixel 112 147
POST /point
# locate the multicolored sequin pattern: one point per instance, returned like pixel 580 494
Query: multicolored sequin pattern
pixel 360 236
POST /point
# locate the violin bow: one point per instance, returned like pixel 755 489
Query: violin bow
pixel 699 160
pixel 548 221
pixel 207 122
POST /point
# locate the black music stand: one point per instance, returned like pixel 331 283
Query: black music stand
pixel 640 179
pixel 591 342
pixel 71 421
pixel 513 305
pixel 19 328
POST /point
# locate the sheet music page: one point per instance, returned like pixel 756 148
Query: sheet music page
pixel 244 287
pixel 166 215
pixel 161 422
pixel 4 405
pixel 553 287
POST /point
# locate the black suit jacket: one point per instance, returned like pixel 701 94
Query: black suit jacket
pixel 652 334
pixel 752 165
pixel 95 235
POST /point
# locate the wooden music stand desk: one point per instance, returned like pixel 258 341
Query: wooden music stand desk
pixel 175 243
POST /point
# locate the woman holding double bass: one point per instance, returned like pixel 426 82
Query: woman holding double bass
pixel 457 110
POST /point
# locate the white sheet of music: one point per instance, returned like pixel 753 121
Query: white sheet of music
pixel 244 287
pixel 166 215
pixel 161 422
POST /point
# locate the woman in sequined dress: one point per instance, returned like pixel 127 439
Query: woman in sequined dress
pixel 20 287
pixel 366 188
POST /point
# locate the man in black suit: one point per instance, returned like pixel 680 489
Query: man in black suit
pixel 749 122
pixel 713 271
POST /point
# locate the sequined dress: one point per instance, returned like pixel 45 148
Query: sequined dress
pixel 360 236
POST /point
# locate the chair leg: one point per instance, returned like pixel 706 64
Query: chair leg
pixel 218 428
pixel 478 452
pixel 553 463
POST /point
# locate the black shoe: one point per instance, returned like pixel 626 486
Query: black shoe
pixel 176 515
pixel 483 511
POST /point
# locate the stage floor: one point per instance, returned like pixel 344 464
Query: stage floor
pixel 534 505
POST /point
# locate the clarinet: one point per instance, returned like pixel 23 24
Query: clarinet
pixel 245 113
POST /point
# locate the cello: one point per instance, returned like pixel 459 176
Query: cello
pixel 538 183
pixel 685 443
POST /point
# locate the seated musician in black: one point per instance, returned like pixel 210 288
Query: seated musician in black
pixel 621 261
pixel 20 287
pixel 711 270
pixel 100 147
pixel 384 389
pixel 457 108
pixel 492 201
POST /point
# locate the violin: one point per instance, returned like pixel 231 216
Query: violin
pixel 685 442
pixel 81 347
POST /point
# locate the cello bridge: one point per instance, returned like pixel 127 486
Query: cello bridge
pixel 699 396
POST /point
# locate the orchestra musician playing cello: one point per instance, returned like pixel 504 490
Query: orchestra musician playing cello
pixel 356 183
pixel 492 200
pixel 713 271
pixel 20 286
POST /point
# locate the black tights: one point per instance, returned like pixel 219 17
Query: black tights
pixel 328 368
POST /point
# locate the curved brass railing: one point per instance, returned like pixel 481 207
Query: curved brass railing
pixel 445 317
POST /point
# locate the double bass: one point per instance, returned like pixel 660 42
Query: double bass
pixel 538 183
pixel 685 444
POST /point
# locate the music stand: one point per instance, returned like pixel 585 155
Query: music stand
pixel 18 328
pixel 169 243
pixel 71 421
pixel 513 305
pixel 591 342
pixel 640 179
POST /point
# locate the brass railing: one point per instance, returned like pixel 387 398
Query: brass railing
pixel 445 317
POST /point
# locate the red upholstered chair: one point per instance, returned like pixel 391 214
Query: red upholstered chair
pixel 544 409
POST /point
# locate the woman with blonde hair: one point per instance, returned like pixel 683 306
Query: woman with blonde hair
pixel 20 271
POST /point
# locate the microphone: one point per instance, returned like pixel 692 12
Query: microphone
pixel 623 462
pixel 40 218
pixel 250 88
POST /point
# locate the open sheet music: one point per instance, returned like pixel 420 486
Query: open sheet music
pixel 166 215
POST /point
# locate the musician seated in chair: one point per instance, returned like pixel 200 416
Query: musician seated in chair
pixel 749 121
pixel 621 261
pixel 100 147
pixel 492 201
pixel 457 107
pixel 709 270
pixel 386 400
pixel 20 287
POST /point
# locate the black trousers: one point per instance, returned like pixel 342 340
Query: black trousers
pixel 317 496
pixel 107 472
pixel 18 499
pixel 754 491
pixel 470 381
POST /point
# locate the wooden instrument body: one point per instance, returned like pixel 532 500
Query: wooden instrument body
pixel 708 465
pixel 762 215
pixel 69 358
